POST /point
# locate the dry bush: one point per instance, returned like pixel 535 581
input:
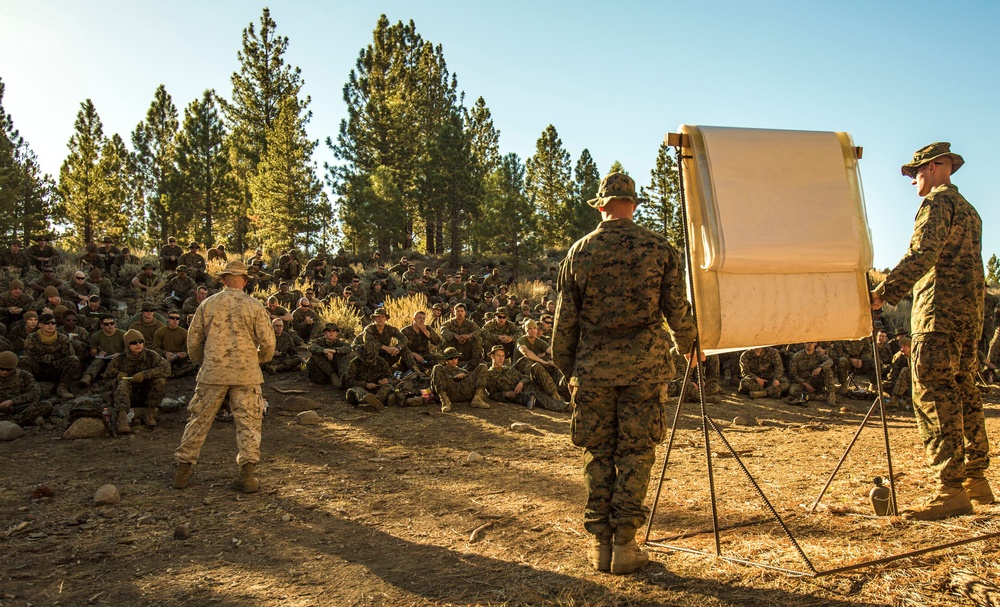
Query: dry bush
pixel 402 309
pixel 532 290
pixel 348 319
pixel 215 267
pixel 897 317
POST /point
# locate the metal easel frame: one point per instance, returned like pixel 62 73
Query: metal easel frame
pixel 679 142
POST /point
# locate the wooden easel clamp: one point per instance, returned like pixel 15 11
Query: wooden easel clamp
pixel 678 140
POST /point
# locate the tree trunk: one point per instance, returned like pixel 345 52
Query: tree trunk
pixel 456 243
pixel 209 236
pixel 439 237
pixel 429 236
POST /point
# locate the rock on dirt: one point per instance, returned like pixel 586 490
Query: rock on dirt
pixel 739 420
pixel 299 403
pixel 182 532
pixel 107 495
pixel 521 427
pixel 85 427
pixel 10 431
pixel 309 418
pixel 475 458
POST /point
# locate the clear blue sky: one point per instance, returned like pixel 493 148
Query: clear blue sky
pixel 613 79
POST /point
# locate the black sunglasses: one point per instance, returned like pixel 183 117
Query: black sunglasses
pixel 138 341
pixel 108 323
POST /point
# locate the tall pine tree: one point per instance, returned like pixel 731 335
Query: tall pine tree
pixel 586 181
pixel 154 141
pixel 262 82
pixel 661 212
pixel 549 186
pixel 508 216
pixel 206 179
pixel 81 180
pixel 120 194
pixel 285 191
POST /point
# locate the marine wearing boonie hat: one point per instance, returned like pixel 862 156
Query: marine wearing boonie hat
pixel 615 185
pixel 930 153
pixel 497 348
pixel 450 353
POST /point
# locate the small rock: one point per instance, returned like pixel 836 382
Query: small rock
pixel 107 495
pixel 309 418
pixel 299 403
pixel 41 491
pixel 85 427
pixel 10 431
pixel 182 532
pixel 170 405
pixel 739 420
pixel 520 427
pixel 475 458
pixel 845 410
pixel 286 518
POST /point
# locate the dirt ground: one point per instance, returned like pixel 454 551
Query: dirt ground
pixel 387 509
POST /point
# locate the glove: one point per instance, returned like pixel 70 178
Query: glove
pixel 138 378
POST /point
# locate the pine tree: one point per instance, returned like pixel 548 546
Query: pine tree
pixel 154 141
pixel 11 174
pixel 80 179
pixel 35 210
pixel 263 81
pixel 484 142
pixel 206 179
pixel 285 190
pixel 661 212
pixel 616 167
pixel 993 270
pixel 119 191
pixel 586 181
pixel 549 186
pixel 508 215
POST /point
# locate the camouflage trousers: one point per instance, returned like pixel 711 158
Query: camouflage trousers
pixel 619 428
pixel 61 371
pixel 182 367
pixel 949 407
pixel 247 405
pixel 284 364
pixel 96 367
pixel 820 382
pixel 459 391
pixel 845 369
pixel 901 385
pixel 26 414
pixel 148 393
pixel 470 354
pixel 327 372
pixel 748 385
pixel 712 388
pixel 358 393
pixel 546 390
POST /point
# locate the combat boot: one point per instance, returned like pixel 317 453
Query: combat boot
pixel 63 392
pixel 247 482
pixel 599 554
pixel 123 427
pixel 755 394
pixel 626 558
pixel 445 403
pixel 948 502
pixel 150 418
pixel 392 400
pixel 479 400
pixel 371 403
pixel 86 380
pixel 979 491
pixel 183 475
pixel 831 397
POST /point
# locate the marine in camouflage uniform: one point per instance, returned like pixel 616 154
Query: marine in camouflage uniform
pixel 170 342
pixel 501 331
pixel 51 356
pixel 15 259
pixel 328 357
pixel 419 339
pixel 170 255
pixel 286 351
pixel 14 302
pixel 709 366
pixel 136 378
pixel 762 373
pixel 19 393
pixel 369 381
pixel 943 269
pixel 452 383
pixel 899 383
pixel 465 336
pixel 230 336
pixel 811 367
pixel 853 357
pixel 616 287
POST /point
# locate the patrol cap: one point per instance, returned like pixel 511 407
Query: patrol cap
pixel 15 284
pixel 615 185
pixel 171 239
pixel 331 326
pixel 182 268
pixel 51 292
pixel 497 348
pixel 450 353
pixel 194 245
pixel 437 306
pixel 132 335
pixel 8 360
pixel 928 154
pixel 148 307
pixel 380 312
pixel 502 310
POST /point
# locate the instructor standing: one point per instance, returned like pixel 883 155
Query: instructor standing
pixel 616 287
pixel 230 335
pixel 944 270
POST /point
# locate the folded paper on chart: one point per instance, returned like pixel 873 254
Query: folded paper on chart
pixel 779 237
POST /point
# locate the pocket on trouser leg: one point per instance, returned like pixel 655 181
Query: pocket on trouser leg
pixel 658 420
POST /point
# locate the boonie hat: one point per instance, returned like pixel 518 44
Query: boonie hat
pixel 236 268
pixel 450 353
pixel 497 348
pixel 928 154
pixel 615 185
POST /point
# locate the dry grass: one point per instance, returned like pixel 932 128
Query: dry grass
pixel 532 290
pixel 402 309
pixel 348 319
